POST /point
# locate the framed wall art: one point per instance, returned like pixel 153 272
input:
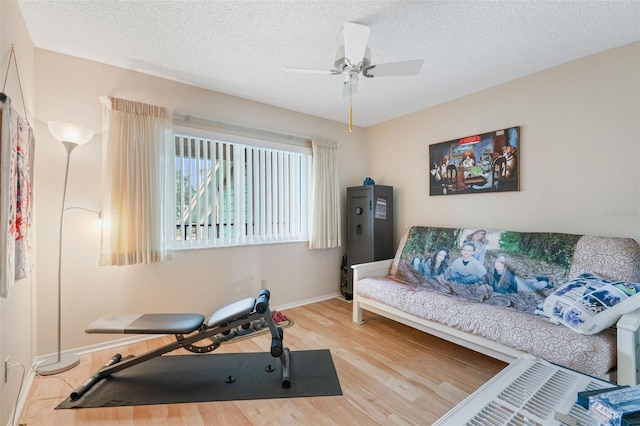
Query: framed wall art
pixel 488 162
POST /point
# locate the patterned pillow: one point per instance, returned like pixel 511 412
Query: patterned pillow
pixel 589 303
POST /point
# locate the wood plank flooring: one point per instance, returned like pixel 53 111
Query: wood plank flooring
pixel 390 374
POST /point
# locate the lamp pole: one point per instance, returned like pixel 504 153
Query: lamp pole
pixel 67 361
pixel 71 136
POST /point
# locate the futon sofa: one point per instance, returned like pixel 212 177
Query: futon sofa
pixel 568 299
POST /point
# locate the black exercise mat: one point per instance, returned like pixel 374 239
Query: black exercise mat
pixel 176 379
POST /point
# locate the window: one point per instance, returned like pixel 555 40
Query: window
pixel 239 192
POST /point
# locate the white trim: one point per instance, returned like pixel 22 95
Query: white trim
pixel 306 301
pixel 31 374
pixel 22 401
pixel 229 130
pixel 628 348
pixel 84 350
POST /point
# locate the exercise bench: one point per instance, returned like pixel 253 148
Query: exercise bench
pixel 240 318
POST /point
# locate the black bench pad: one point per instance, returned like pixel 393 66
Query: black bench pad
pixel 146 324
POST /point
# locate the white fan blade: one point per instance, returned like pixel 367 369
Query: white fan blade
pixel 392 69
pixel 309 71
pixel 355 41
pixel 350 86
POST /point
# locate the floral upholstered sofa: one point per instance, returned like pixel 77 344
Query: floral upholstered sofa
pixel 568 299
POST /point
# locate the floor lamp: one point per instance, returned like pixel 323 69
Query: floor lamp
pixel 71 136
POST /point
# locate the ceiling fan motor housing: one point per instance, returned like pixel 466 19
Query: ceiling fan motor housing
pixel 343 64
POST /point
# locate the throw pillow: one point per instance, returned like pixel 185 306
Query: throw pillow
pixel 589 303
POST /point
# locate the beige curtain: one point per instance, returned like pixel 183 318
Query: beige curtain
pixel 325 228
pixel 138 161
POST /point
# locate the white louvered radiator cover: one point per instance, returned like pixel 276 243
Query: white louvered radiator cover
pixel 527 392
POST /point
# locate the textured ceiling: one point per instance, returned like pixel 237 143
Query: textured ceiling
pixel 240 47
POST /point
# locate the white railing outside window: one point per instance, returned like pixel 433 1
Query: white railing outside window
pixel 230 193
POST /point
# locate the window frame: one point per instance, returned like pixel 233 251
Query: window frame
pixel 234 141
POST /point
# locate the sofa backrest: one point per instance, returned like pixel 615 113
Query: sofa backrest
pixel 610 257
pixel 558 256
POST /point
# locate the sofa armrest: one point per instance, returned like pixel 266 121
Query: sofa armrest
pixel 378 269
pixel 628 343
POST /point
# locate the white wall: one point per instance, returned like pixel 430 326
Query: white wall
pixel 580 151
pixel 199 281
pixel 17 324
pixel 579 173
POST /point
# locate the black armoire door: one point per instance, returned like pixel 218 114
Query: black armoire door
pixel 369 226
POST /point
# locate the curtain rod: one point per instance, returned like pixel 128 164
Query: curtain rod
pixel 244 130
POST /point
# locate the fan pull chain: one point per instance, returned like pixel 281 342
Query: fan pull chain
pixel 350 108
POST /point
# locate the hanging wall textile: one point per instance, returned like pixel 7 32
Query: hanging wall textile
pixel 16 176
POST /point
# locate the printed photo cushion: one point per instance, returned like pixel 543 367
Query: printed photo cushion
pixel 589 303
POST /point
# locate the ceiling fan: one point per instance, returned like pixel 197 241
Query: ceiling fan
pixel 354 58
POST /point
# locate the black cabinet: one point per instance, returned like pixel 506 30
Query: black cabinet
pixel 369 226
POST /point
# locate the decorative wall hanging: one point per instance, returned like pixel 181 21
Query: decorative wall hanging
pixel 17 150
pixel 487 162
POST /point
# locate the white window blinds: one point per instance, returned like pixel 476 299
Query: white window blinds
pixel 230 193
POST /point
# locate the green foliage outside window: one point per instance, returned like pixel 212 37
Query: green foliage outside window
pixel 189 191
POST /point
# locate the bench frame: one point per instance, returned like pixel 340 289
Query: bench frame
pixel 235 320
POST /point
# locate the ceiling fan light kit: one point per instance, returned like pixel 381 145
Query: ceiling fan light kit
pixel 354 58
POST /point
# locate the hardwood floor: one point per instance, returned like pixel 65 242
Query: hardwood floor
pixel 390 374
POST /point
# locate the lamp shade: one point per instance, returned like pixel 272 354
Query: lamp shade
pixel 67 132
